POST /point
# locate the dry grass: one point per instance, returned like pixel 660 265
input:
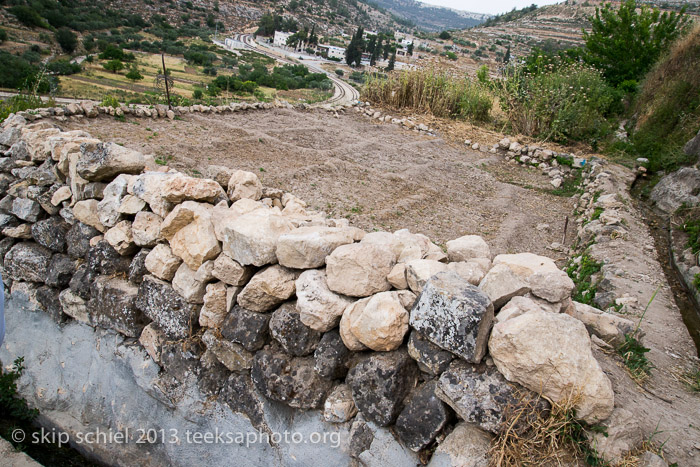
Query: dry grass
pixel 553 438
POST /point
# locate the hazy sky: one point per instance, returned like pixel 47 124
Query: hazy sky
pixel 491 6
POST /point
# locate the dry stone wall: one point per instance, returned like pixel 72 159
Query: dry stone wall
pixel 258 298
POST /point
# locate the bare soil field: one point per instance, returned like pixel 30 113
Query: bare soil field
pixel 381 177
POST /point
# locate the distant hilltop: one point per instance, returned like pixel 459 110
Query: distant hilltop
pixel 431 17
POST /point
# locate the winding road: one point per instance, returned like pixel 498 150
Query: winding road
pixel 344 92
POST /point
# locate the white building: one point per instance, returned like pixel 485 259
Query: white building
pixel 281 38
pixel 369 33
pixel 332 51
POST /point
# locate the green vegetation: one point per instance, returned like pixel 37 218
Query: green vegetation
pixel 691 379
pixel 434 91
pixel 3 35
pixel 692 227
pixel 625 43
pixel 66 39
pixel 21 102
pixel 633 353
pixel 284 78
pixel 11 404
pixel 582 272
pixel 510 16
pixel 570 186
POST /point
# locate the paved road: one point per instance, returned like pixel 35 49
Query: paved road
pixel 59 100
pixel 344 92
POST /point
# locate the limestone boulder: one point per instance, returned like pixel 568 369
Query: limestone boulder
pixel 244 184
pixel 229 271
pixel 102 161
pixel 121 238
pixel 186 284
pixel 307 247
pixel 455 315
pixel 268 288
pixel 473 271
pixel 551 286
pixel 319 307
pixel 146 229
pixel 501 284
pixel 196 243
pixel 162 263
pixel 623 434
pixel 351 313
pixel 467 445
pixel 467 247
pixel 86 212
pixel 108 207
pixel 551 353
pixel 607 326
pixel 418 272
pixel 526 264
pixel 183 215
pixel 382 323
pixel 397 276
pixel 251 239
pixel 214 308
pixel 178 187
pixel 359 270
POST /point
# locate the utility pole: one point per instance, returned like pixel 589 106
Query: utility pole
pixel 165 76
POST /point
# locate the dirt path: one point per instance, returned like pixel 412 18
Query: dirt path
pixel 379 176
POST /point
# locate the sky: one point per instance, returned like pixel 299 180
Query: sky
pixel 491 6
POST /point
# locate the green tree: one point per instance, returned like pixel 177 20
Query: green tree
pixel 625 43
pixel 114 66
pixel 67 40
pixel 28 16
pixel 392 62
pixel 445 35
pixel 353 52
pixel 134 74
pixel 3 35
pixel 409 49
pixel 506 58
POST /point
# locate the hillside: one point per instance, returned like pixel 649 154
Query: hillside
pixel 429 17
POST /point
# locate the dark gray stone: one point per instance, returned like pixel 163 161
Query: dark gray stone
pixel 44 201
pixel 295 337
pixel 692 147
pixel 44 175
pixel 51 233
pixel 137 268
pixel 159 302
pixel 331 356
pixel 78 239
pixel 94 190
pixel 455 315
pixel 239 394
pixel 431 358
pixel 480 394
pixel 292 381
pixel 361 437
pixel 19 152
pixel 103 259
pixel 423 417
pixel 247 328
pixel 26 209
pixel 5 181
pixel 379 384
pixel 61 271
pixel 181 359
pixel 6 204
pixel 81 281
pixel 8 220
pixel 28 262
pixel 113 306
pixel 5 245
pixel 213 374
pixel 48 298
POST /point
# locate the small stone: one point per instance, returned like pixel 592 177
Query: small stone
pixel 339 406
pixel 248 328
pixel 431 358
pixel 455 315
pixel 418 272
pixel 60 271
pixel 552 286
pixel 162 263
pixel 51 233
pixel 467 445
pixel 214 309
pixel 379 384
pixel 108 208
pixel 26 209
pixel 349 315
pixel 232 356
pixel 319 308
pixel 268 288
pixel 186 284
pixel 423 417
pixel 121 239
pixel 131 205
pixel 74 306
pixel 295 337
pixel 226 269
pixel 86 212
pixel 397 276
pixel 382 323
pixel 152 339
pixel 61 195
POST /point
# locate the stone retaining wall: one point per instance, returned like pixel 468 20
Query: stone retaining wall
pixel 242 289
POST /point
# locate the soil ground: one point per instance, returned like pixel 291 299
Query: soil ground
pixel 381 177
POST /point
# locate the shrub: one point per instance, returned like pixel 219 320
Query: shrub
pixel 134 74
pixel 339 72
pixel 3 35
pixel 63 67
pixel 67 40
pixel 625 44
pixel 570 103
pixel 435 91
pixel 110 101
pixel 114 66
pixel 445 35
pixel 28 16
pixel 197 94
